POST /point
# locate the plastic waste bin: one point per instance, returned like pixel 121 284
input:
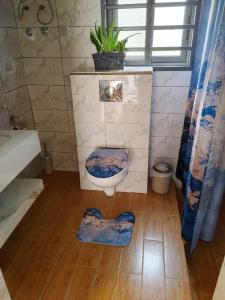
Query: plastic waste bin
pixel 161 179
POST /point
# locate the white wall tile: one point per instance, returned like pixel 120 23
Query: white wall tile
pixel 171 78
pixel 138 160
pixel 139 85
pixel 127 112
pixel 7 17
pixel 164 147
pixel 51 120
pixel 1 88
pixel 18 101
pixel 85 84
pixel 78 13
pixel 56 141
pixel 73 64
pixel 71 121
pixel 90 134
pixel 26 121
pixel 134 182
pixel 73 141
pixel 69 97
pixel 127 135
pixel 46 71
pixel 169 99
pixel 87 108
pixel 75 42
pixel 84 152
pixel 167 124
pixel 47 97
pixel 4 116
pixel 12 73
pixel 10 43
pixel 64 161
pixel 30 17
pixel 40 45
pixel 136 88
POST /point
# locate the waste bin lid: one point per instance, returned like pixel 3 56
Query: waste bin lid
pixel 162 168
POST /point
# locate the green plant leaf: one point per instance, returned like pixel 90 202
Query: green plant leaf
pixel 107 40
pixel 95 40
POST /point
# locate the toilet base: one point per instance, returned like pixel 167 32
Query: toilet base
pixel 110 191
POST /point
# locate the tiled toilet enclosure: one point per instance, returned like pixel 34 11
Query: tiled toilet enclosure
pixel 124 124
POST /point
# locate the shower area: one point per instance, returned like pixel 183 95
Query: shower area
pixel 34 87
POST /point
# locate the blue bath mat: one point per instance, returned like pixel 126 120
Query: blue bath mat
pixel 114 232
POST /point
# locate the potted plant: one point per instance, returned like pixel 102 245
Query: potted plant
pixel 110 50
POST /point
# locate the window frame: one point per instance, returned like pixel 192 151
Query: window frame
pixel 168 63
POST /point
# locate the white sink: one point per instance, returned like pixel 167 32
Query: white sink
pixel 17 149
pixel 4 138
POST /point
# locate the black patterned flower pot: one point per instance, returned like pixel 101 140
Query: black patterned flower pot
pixel 108 61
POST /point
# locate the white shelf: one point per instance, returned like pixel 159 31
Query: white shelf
pixel 20 195
pixel 16 152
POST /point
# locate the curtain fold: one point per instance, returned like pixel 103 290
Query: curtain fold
pixel 201 163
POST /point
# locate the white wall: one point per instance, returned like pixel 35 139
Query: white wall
pixel 169 96
pixel 48 59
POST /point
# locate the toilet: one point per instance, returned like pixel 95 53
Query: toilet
pixel 106 168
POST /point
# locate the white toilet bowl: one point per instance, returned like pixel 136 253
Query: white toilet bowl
pixel 106 168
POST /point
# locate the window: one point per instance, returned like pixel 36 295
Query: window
pixel 167 30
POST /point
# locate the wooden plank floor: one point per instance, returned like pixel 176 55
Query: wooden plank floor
pixel 205 263
pixel 43 259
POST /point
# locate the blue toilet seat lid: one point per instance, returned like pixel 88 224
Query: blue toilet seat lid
pixel 106 162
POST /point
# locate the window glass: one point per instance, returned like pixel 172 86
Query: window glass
pixel 135 41
pixel 172 26
pixel 169 15
pixel 168 1
pixel 122 2
pixel 130 17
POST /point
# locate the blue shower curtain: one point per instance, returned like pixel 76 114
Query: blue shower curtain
pixel 201 163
